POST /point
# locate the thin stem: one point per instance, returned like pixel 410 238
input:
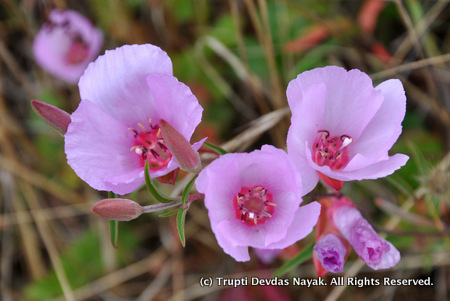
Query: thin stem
pixel 161 206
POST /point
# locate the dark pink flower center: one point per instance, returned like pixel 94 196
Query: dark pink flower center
pixel 78 51
pixel 331 151
pixel 253 205
pixel 149 145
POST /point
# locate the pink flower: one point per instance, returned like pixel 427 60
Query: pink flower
pixel 253 201
pixel 331 253
pixel 66 44
pixel 342 127
pixel 125 93
pixel 370 247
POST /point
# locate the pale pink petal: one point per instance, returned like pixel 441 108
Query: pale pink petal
pixel 175 103
pixel 98 150
pixel 385 127
pixel 117 82
pixel 350 98
pixel 239 253
pixel 242 235
pixel 376 170
pixel 303 223
pixel 220 185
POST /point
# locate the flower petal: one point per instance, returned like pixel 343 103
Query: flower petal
pixel 385 127
pixel 98 150
pixel 350 99
pixel 305 219
pixel 117 82
pixel 175 103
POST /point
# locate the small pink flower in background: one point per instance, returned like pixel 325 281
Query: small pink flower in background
pixel 125 93
pixel 331 253
pixel 370 247
pixel 342 127
pixel 253 201
pixel 66 44
pixel 267 256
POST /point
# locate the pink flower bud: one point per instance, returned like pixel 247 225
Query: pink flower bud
pixel 53 116
pixel 118 209
pixel 188 159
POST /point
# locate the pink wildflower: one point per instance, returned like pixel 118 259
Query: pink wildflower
pixel 342 127
pixel 370 247
pixel 253 201
pixel 66 44
pixel 115 129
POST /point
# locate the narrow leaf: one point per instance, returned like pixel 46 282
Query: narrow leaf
pixel 304 255
pixel 216 148
pixel 187 189
pixel 114 230
pixel 158 196
pixel 53 116
pixel 181 217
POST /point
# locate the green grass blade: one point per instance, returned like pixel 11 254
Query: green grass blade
pixel 304 255
pixel 187 189
pixel 216 148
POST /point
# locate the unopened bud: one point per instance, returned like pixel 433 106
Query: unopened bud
pixel 53 116
pixel 118 209
pixel 188 159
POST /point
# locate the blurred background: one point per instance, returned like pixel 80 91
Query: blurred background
pixel 237 56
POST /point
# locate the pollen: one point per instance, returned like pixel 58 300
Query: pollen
pixel 253 206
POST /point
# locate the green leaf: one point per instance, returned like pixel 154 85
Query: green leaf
pixel 181 217
pixel 216 148
pixel 114 231
pixel 157 195
pixel 304 255
pixel 187 189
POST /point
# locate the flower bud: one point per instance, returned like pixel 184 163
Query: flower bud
pixel 118 209
pixel 188 159
pixel 53 116
pixel 331 253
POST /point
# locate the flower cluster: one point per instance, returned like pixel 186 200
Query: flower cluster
pixel 135 121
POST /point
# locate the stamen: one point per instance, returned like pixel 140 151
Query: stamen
pixel 253 205
pixel 331 151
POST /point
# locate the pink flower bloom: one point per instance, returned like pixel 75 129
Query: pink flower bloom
pixel 66 44
pixel 370 247
pixel 125 93
pixel 331 253
pixel 343 127
pixel 253 201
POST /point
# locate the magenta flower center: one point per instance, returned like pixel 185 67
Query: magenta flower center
pixel 253 205
pixel 149 145
pixel 78 51
pixel 331 151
